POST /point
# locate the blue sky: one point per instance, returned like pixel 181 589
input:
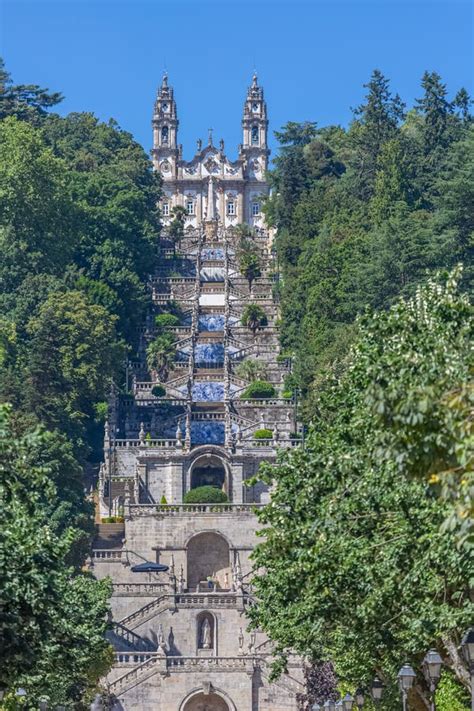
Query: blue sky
pixel 107 56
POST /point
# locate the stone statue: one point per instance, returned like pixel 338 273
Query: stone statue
pixel 206 634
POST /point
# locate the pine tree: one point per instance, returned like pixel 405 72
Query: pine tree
pixel 376 122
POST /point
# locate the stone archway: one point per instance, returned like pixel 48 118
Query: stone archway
pixel 206 702
pixel 209 470
pixel 208 556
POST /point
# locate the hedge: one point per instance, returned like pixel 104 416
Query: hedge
pixel 258 390
pixel 205 495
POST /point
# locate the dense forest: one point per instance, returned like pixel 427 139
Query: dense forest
pixel 78 224
pixel 368 542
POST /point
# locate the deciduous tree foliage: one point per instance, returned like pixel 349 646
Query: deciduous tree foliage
pixel 360 566
pixel 364 215
pixel 53 616
pixel 78 223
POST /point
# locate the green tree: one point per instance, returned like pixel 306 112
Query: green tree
pixel 176 228
pixel 161 354
pixel 250 263
pixel 27 102
pixel 53 616
pixel 376 121
pixel 251 369
pixel 254 318
pixel 73 353
pixel 358 569
pixel 35 207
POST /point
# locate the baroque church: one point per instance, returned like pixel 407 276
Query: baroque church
pixel 182 572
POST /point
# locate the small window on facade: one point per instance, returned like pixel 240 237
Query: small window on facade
pixel 255 135
pixel 164 134
pixel 165 209
pixel 255 209
pixel 190 207
pixel 231 207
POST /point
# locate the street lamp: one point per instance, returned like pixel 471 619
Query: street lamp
pixel 467 646
pixel 329 705
pixel 432 664
pixel 360 698
pixel 347 702
pixel 43 703
pixel 406 676
pixel 316 707
pixel 377 689
pixel 96 705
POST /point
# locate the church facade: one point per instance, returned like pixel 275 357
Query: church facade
pixel 210 186
pixel 181 570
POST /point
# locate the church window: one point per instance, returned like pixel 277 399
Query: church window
pixel 255 209
pixel 231 207
pixel 190 207
pixel 255 135
pixel 165 209
pixel 164 134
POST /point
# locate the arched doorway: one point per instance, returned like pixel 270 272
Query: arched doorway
pixel 206 702
pixel 208 556
pixel 209 470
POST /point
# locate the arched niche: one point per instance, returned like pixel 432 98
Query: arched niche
pixel 209 470
pixel 213 701
pixel 206 633
pixel 207 555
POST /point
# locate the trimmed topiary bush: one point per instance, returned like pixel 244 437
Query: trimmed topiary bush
pixel 259 390
pixel 205 495
pixel 158 391
pixel 112 519
pixel 165 321
pixel 263 434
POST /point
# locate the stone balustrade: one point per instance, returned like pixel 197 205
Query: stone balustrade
pixel 146 443
pixel 187 509
pixel 106 555
pixel 139 589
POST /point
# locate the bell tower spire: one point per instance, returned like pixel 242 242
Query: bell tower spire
pixel 255 122
pixel 165 126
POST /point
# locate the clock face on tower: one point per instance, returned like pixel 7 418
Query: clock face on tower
pixel 164 107
pixel 255 106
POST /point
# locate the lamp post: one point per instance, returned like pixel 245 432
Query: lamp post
pixel 360 697
pixel 377 689
pixel 96 705
pixel 347 702
pixel 467 646
pixel 316 707
pixel 406 676
pixel 329 705
pixel 432 664
pixel 20 693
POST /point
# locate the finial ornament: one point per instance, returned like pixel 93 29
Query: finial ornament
pixel 164 83
pixel 209 131
pixel 254 80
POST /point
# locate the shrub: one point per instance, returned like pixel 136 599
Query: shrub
pixel 158 391
pixel 163 500
pixel 112 519
pixel 258 390
pixel 263 434
pixel 165 321
pixel 205 495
